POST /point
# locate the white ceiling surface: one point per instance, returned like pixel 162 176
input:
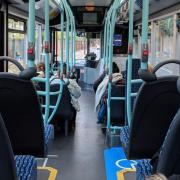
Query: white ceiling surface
pixel 84 2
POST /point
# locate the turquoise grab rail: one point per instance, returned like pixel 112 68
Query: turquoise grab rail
pixel 145 22
pixel 144 61
pixel 108 53
pixel 47 117
pixel 59 93
pixel 111 22
pixel 65 8
pixel 47 62
pixel 71 24
pixel 129 69
pixel 106 38
pixel 67 37
pixel 31 33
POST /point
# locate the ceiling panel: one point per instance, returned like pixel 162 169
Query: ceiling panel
pixel 85 2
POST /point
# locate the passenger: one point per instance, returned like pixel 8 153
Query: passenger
pixel 157 177
pixel 41 70
pixel 73 87
pixel 100 79
pixel 116 76
pixel 150 67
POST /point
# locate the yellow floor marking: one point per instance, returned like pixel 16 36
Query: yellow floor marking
pixel 120 174
pixel 53 172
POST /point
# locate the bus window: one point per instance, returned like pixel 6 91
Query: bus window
pixel 164 39
pixel 17 42
pixel 16 49
pixel 95 45
pixel 81 47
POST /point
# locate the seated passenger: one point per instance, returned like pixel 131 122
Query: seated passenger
pixel 41 70
pixel 116 76
pixel 100 79
pixel 74 89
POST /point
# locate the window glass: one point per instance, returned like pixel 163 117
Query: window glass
pixel 38 45
pixel 58 46
pixel 16 49
pixel 95 45
pixel 164 43
pixel 164 39
pixel 81 47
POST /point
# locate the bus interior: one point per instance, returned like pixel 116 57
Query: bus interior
pixel 89 90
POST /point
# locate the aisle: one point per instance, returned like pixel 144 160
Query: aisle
pixel 80 156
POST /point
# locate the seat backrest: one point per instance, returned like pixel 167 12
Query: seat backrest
pixel 169 157
pixel 136 64
pixel 22 115
pixel 7 163
pixel 118 107
pixel 155 106
pixel 65 108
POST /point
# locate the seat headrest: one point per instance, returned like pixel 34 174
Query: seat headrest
pixel 178 84
pixel 28 74
pixel 147 76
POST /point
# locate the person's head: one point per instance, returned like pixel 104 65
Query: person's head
pixel 115 68
pixel 41 67
pixel 157 177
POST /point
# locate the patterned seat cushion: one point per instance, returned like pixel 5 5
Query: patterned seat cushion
pixel 124 137
pixel 26 167
pixel 143 169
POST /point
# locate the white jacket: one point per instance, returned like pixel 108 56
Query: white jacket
pixel 103 86
pixel 74 89
pixel 75 92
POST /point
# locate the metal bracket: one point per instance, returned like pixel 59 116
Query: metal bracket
pixel 110 77
pixel 31 51
pixel 47 47
pixel 130 49
pixel 145 53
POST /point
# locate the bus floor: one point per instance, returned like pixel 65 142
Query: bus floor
pixel 80 155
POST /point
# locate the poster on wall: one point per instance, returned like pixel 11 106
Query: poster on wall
pixel 117 40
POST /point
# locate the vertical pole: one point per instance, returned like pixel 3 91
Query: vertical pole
pixel 104 45
pixel 31 32
pixel 47 68
pixel 145 19
pixel 74 43
pixel 62 42
pixel 110 59
pixel 67 40
pixel 130 53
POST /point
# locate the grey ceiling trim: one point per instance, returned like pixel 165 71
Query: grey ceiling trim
pixel 17 11
pixel 165 11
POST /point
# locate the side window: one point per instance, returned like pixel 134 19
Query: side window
pixel 16 42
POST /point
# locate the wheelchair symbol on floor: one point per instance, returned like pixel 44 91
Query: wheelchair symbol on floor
pixel 126 164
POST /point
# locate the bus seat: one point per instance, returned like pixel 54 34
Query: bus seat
pixel 117 106
pixel 155 106
pixel 22 115
pixel 65 112
pixel 169 156
pixel 168 160
pixel 26 167
pixel 143 169
pixel 18 167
